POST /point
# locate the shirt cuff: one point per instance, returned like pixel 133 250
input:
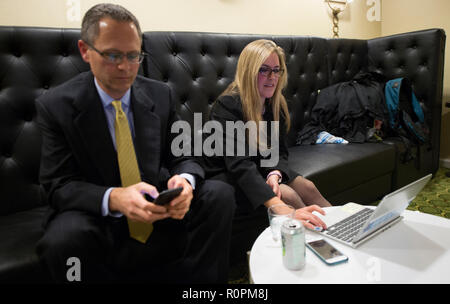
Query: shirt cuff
pixel 105 205
pixel 190 178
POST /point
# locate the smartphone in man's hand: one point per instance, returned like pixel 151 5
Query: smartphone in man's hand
pixel 167 196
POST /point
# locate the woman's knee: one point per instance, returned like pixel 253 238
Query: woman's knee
pixel 310 186
pixel 309 192
pixel 302 184
pixel 290 197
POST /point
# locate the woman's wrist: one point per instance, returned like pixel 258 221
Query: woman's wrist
pixel 273 201
pixel 275 173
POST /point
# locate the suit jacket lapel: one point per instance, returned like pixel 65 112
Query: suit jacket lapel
pixel 147 126
pixel 92 126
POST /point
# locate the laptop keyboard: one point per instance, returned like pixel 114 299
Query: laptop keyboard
pixel 346 229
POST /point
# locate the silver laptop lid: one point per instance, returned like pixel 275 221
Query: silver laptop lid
pixel 391 207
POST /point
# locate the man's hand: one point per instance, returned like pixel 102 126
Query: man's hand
pixel 130 202
pixel 180 205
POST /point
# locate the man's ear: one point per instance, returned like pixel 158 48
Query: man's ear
pixel 83 47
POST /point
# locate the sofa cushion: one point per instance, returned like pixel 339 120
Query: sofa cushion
pixel 336 168
pixel 19 233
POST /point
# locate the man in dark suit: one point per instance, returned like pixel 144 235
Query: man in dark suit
pixel 94 207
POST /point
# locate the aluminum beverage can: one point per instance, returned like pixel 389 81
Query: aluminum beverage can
pixel 293 244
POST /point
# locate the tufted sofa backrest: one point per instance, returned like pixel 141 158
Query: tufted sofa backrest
pixel 32 61
pixel 346 58
pixel 199 66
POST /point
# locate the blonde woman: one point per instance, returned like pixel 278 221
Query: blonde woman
pixel 256 95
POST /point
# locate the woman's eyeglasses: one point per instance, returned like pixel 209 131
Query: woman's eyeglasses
pixel 266 71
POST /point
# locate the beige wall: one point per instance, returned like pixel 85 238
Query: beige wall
pixel 400 16
pixel 297 17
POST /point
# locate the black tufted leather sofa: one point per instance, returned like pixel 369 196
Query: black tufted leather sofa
pixel 198 67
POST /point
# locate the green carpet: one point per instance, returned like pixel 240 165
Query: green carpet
pixel 433 199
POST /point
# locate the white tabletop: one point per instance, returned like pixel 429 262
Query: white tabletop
pixel 415 250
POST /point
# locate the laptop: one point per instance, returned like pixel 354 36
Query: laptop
pixel 353 224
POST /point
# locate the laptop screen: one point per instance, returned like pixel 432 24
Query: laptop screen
pixel 392 206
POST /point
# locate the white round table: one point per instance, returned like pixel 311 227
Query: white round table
pixel 415 250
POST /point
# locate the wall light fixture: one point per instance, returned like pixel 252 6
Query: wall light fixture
pixel 337 7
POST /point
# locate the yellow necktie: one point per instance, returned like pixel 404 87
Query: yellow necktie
pixel 128 167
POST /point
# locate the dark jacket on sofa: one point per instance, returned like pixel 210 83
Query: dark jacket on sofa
pixel 347 109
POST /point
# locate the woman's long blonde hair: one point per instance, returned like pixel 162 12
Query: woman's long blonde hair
pixel 246 81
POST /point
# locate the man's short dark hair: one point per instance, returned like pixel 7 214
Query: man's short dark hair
pixel 90 24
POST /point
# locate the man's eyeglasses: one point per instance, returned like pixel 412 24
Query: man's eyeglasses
pixel 117 58
pixel 266 71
